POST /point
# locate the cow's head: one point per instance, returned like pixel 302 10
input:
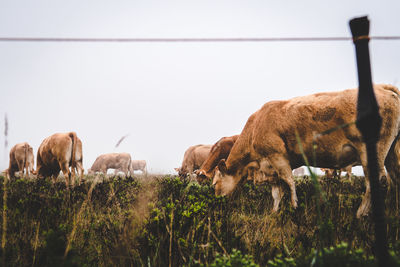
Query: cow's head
pixel 202 176
pixel 329 173
pixel 181 172
pixel 224 182
pixel 5 172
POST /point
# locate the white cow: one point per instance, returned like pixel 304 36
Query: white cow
pixel 117 161
pixel 138 165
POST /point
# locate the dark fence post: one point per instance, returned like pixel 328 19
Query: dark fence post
pixel 369 123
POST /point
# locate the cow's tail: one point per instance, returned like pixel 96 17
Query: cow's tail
pixel 25 162
pixel 130 167
pixel 74 138
pixel 145 167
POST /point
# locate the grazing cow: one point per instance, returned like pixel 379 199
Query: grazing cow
pixel 335 173
pixel 120 162
pixel 60 151
pixel 220 150
pixel 193 158
pixel 298 171
pixel 21 159
pixel 138 165
pixel 269 143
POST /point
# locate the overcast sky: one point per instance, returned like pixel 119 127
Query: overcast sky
pixel 169 96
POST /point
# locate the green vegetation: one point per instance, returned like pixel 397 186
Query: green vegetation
pixel 162 221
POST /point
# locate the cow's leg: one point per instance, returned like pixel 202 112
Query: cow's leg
pixel 54 178
pixel 284 171
pixel 125 170
pixel 21 167
pixel 120 170
pixel 348 172
pixel 80 171
pixel 11 173
pixel 366 200
pixel 392 160
pixel 25 168
pixel 28 170
pixel 73 171
pixel 277 194
pixel 64 166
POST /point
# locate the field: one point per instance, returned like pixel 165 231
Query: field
pixel 166 221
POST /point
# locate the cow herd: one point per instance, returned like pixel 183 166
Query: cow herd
pixel 63 152
pixel 276 140
pixel 279 137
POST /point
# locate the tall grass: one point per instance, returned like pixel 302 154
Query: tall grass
pixel 159 221
pixel 4 222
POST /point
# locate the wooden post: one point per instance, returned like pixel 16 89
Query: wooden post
pixel 369 123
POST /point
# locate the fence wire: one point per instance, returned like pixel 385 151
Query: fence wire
pixel 187 40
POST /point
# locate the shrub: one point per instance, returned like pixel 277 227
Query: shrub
pixel 235 259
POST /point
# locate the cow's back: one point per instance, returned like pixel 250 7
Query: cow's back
pixel 21 157
pixel 220 150
pixel 193 158
pixel 200 154
pixel 123 159
pixel 54 151
pixel 138 164
pixel 54 148
pixel 111 161
pixel 309 116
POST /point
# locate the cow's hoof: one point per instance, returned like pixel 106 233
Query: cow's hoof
pixel 384 184
pixel 363 210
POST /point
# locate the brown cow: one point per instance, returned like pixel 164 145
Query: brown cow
pixel 139 165
pixel 220 150
pixel 268 140
pixel 193 158
pixel 298 171
pixel 57 152
pixel 335 173
pixel 120 162
pixel 21 159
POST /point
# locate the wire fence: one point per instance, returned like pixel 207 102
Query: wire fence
pixel 188 40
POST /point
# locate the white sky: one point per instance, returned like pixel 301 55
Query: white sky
pixel 169 96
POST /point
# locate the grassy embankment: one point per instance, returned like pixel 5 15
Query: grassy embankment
pixel 161 221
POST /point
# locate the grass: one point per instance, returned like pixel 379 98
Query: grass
pixel 161 221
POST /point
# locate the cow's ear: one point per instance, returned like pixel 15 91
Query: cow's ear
pixel 176 169
pixel 222 166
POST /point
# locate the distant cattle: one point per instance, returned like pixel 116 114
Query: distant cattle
pixel 21 160
pixel 335 173
pixel 120 162
pixel 193 158
pixel 139 165
pixel 60 151
pixel 298 171
pixel 220 150
pixel 269 140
